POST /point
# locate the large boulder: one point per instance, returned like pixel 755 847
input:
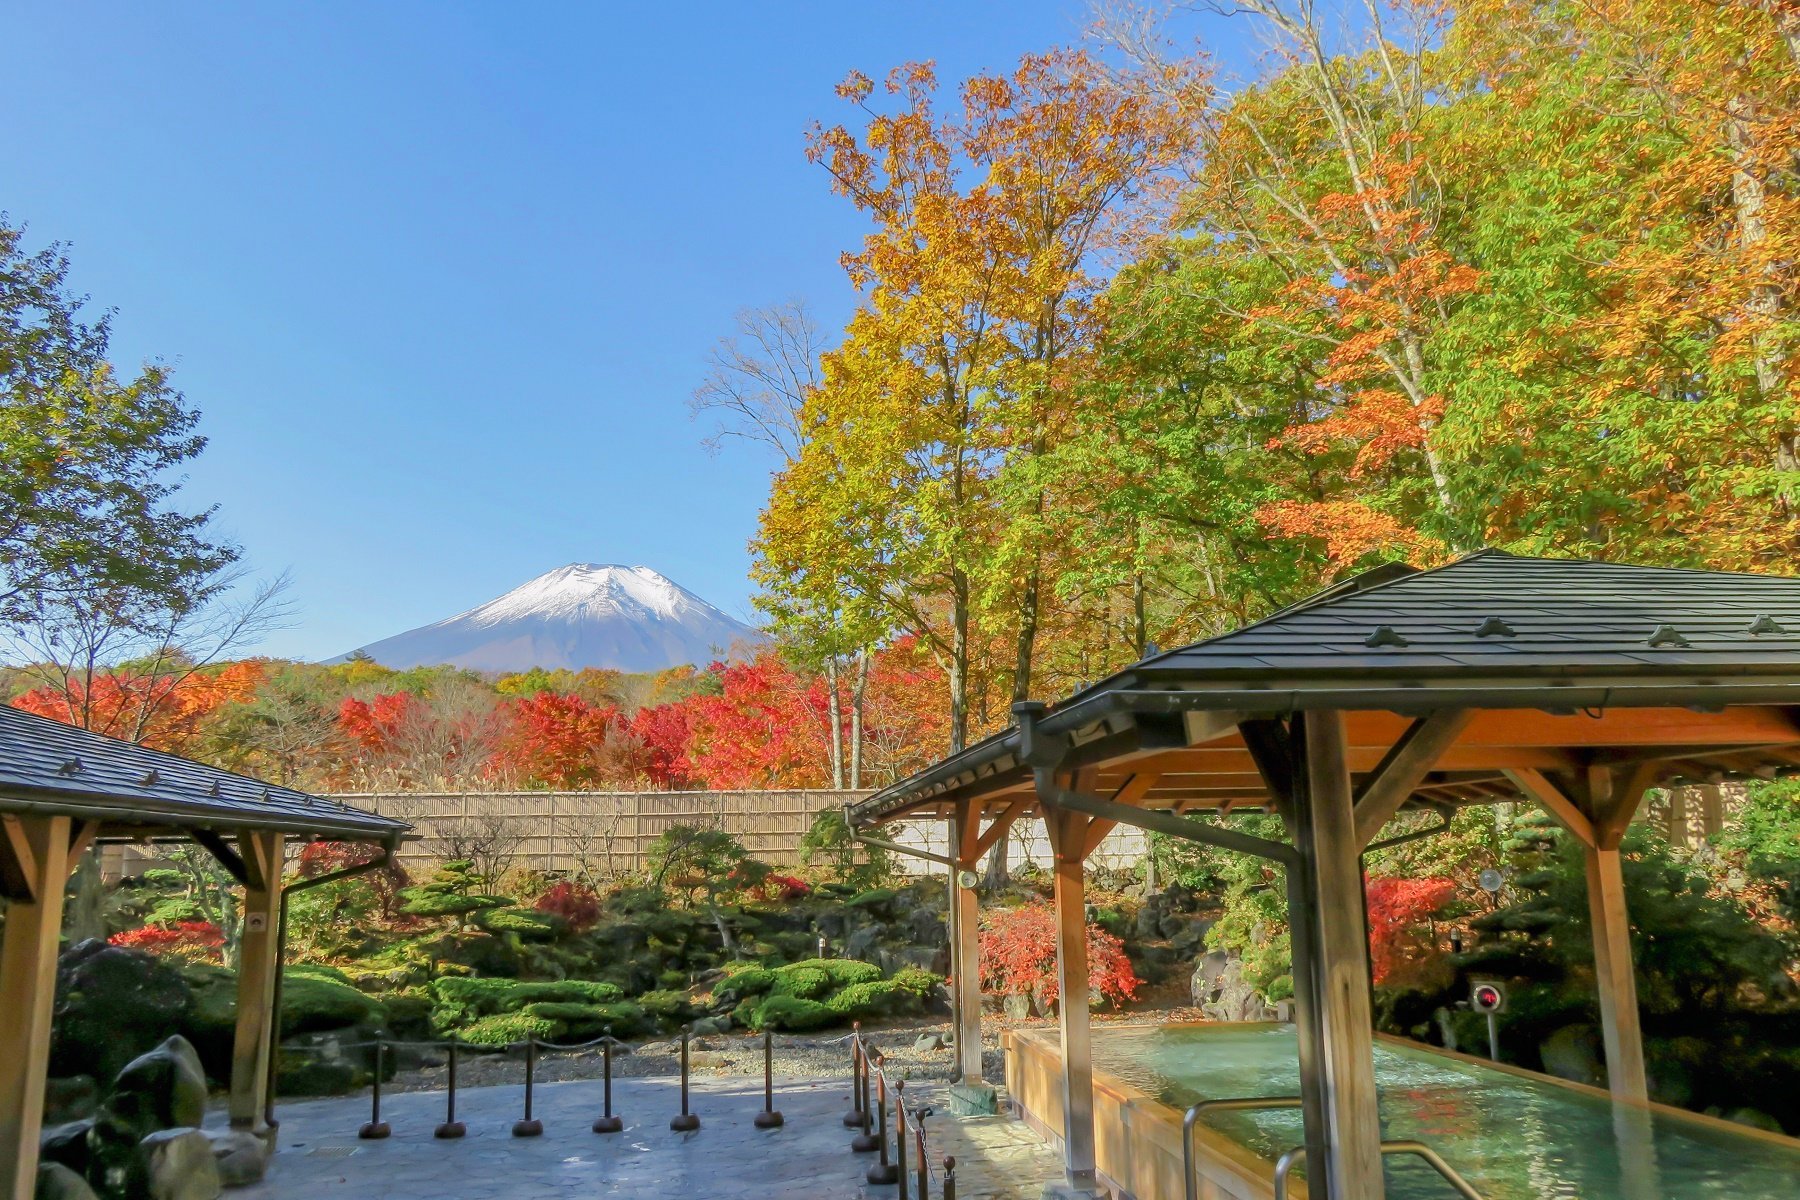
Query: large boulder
pixel 1573 1053
pixel 241 1156
pixel 112 1004
pixel 161 1089
pixel 67 1144
pixel 57 1182
pixel 175 1164
pixel 1232 998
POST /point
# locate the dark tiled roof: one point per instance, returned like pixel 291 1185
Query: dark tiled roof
pixel 1497 612
pixel 47 766
pixel 1491 630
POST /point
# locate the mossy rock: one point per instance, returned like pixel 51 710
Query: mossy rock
pixel 422 902
pixel 804 982
pixel 669 1007
pixel 314 999
pixel 876 900
pixel 408 1013
pixel 792 1014
pixel 504 1028
pixel 461 1001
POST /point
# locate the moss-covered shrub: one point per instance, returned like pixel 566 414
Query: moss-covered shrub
pixel 622 1019
pixel 744 981
pixel 842 971
pixel 461 1001
pixel 802 981
pixel 525 922
pixel 917 980
pixel 792 1014
pixel 408 1013
pixel 502 1028
pixel 861 1001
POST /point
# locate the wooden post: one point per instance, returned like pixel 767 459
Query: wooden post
pixel 1289 787
pixel 1068 836
pixel 258 960
pixel 1331 856
pixel 1712 810
pixel 1614 975
pixel 35 857
pixel 965 954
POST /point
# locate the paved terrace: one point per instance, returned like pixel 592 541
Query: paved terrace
pixel 808 1158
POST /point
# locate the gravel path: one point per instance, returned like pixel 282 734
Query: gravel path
pixel 818 1056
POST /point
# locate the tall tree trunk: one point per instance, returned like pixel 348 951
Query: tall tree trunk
pixel 1140 631
pixel 1028 627
pixel 835 718
pixel 959 662
pixel 858 690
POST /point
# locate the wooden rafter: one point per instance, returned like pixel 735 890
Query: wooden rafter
pixel 1404 767
pixel 1558 802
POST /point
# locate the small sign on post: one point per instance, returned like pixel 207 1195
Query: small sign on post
pixel 1487 996
pixel 256 922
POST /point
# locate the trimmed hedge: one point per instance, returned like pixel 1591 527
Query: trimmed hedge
pixel 744 982
pixel 502 1028
pixel 802 981
pixel 622 1019
pixel 460 1001
pixel 792 1014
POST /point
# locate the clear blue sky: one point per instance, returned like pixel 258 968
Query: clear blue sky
pixel 441 277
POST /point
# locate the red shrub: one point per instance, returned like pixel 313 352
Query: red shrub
pixel 783 887
pixel 1018 955
pixel 1397 907
pixel 189 939
pixel 577 905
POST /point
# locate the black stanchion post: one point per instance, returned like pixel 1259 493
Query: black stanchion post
pixel 865 1141
pixel 768 1118
pixel 376 1127
pixel 529 1127
pixel 606 1122
pixel 854 1118
pixel 687 1122
pixel 900 1135
pixel 949 1177
pixel 882 1172
pixel 451 1128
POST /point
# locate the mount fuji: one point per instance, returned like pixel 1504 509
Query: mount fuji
pixel 582 615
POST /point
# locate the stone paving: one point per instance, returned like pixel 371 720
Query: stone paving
pixel 319 1155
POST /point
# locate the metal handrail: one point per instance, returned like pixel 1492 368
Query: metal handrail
pixel 1227 1104
pixel 1464 1188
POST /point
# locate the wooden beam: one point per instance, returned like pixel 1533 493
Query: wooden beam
pixel 1536 786
pixel 1130 792
pixel 1345 1016
pixel 39 845
pixel 1162 822
pixel 1625 795
pixel 258 961
pixel 221 850
pixel 1067 837
pixel 1404 768
pixel 998 826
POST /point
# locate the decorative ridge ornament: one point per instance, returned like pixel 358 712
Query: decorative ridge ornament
pixel 1384 635
pixel 1765 624
pixel 1495 627
pixel 1668 635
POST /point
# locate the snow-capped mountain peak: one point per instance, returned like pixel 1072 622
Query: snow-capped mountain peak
pixel 580 615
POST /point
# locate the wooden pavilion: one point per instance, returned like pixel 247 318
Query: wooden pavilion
pixel 63 789
pixel 1574 685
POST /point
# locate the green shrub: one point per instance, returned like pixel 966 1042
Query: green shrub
pixel 502 1028
pixel 792 1013
pixel 407 1012
pixel 918 981
pixel 860 1001
pixel 874 898
pixel 802 981
pixel 748 981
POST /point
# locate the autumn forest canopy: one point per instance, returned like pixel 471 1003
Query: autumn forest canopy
pixel 1139 352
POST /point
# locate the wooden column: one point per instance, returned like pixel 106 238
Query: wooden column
pixel 1068 839
pixel 258 960
pixel 1614 975
pixel 965 947
pixel 1331 857
pixel 1600 826
pixel 35 856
